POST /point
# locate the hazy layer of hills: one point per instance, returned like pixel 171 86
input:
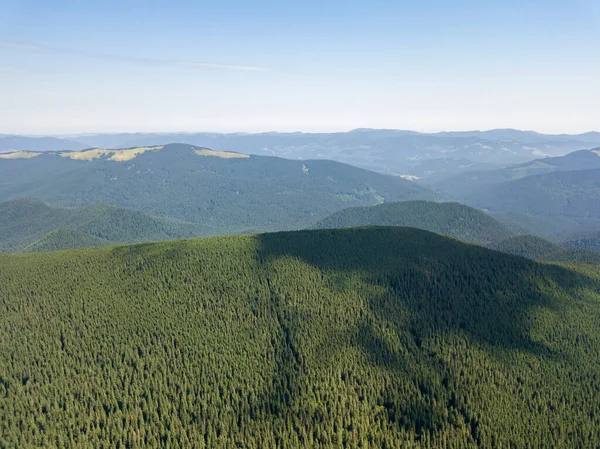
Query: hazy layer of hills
pixel 31 225
pixel 570 194
pixel 226 192
pixel 20 143
pixel 589 240
pixel 537 248
pixel 180 190
pixel 552 197
pixel 466 185
pixel 388 151
pixel 379 337
pixel 555 228
pixel 453 219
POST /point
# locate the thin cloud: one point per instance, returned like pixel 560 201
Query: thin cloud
pixel 11 45
pixel 209 65
pixel 25 46
pixel 12 70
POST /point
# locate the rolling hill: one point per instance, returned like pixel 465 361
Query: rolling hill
pixel 453 219
pixel 433 171
pixel 62 239
pixel 378 337
pixel 31 225
pixel 537 248
pixel 226 191
pixel 568 194
pixel 465 186
pixel 590 240
pixel 555 229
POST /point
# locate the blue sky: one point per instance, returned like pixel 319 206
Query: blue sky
pixel 232 65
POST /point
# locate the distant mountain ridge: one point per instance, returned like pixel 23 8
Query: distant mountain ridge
pixel 561 193
pixel 229 192
pixel 384 150
pixel 22 143
pixel 464 185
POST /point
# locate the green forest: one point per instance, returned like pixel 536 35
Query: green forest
pixel 28 224
pixel 537 248
pixel 224 196
pixel 589 240
pixel 352 338
pixel 453 219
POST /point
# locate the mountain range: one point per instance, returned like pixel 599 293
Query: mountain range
pixel 388 151
pixel 180 191
pixel 379 337
pixel 225 192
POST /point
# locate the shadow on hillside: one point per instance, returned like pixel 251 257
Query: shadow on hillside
pixel 428 287
pixel 446 285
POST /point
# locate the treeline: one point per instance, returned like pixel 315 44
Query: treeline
pixel 369 338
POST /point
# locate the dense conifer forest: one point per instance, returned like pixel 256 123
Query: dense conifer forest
pixel 28 224
pixel 354 338
pixel 221 193
pixel 453 219
pixel 537 248
pixel 589 240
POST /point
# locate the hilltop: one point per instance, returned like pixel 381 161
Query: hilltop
pixel 453 219
pixel 378 337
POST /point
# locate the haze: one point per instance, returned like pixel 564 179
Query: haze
pixel 237 66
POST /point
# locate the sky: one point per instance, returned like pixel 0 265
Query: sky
pixel 238 65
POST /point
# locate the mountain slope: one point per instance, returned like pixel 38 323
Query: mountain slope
pixel 25 221
pixel 466 185
pixel 433 171
pixel 381 337
pixel 230 192
pixel 556 229
pixel 570 194
pixel 63 239
pixel 590 240
pixel 453 219
pixel 537 248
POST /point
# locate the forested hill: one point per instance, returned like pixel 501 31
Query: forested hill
pixel 590 240
pixel 454 219
pixel 571 194
pixel 378 337
pixel 537 248
pixel 26 221
pixel 230 192
pixel 467 185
